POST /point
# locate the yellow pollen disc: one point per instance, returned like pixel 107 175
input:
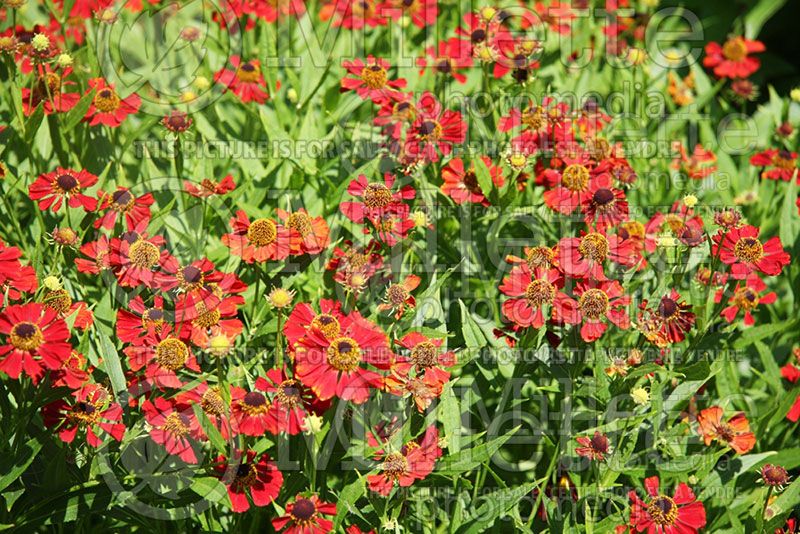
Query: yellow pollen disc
pixel 374 76
pixel 425 355
pixel 344 354
pixel 575 177
pixel 663 510
pixel 262 232
pixel 593 303
pixel 172 353
pixel 106 100
pixel 26 336
pixel 594 246
pixel 377 196
pixel 248 73
pixel 748 250
pixel 539 293
pixel 395 465
pixel 327 324
pixel 734 49
pixel 143 254
pixel 301 222
pixel 175 425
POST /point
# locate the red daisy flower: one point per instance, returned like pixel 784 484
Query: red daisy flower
pixel 584 256
pixel 329 321
pixel 99 254
pixel 276 10
pixel 251 410
pixel 533 292
pixel 49 90
pixel 741 249
pixel 735 432
pixel 396 113
pixel 214 406
pixel 420 372
pixel 91 411
pixel 733 60
pixel 782 162
pixel 134 258
pixel 50 189
pixel 671 318
pixel 604 206
pixel 334 367
pixel 398 296
pixel 448 58
pixel 462 185
pixel 175 426
pixel 352 14
pixel 259 477
pixel 246 82
pixel 680 223
pixel 370 80
pixel 434 130
pixel 162 355
pixel 15 278
pixel 108 107
pixel 594 448
pixel 208 187
pixel 557 15
pixel 374 198
pixel 122 202
pixel 571 185
pixel 60 301
pixel 698 165
pixel 260 240
pixel 309 235
pixel 305 516
pixel 36 339
pixel 413 461
pixel 355 266
pixel 596 302
pixel 746 297
pixel 661 514
pixel 73 373
pixel 291 402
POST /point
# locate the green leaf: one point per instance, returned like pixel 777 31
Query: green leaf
pixel 790 223
pixel 783 506
pixel 760 14
pixel 77 113
pixel 111 363
pixel 450 416
pixel 12 468
pixel 473 335
pixel 210 488
pixel 496 505
pixel 468 459
pixel 347 500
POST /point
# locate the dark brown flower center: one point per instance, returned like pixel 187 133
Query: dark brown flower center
pixel 66 182
pixel 603 196
pixel 663 511
pixel 303 509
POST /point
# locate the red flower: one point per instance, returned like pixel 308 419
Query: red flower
pixel 174 426
pixel 330 321
pixel 15 278
pixel 246 82
pixel 422 12
pixel 352 14
pixel 251 410
pixel 782 162
pixel 108 107
pixel 208 187
pixel 735 432
pixel 593 448
pixel 92 411
pixel 258 477
pixel 662 514
pixel 698 165
pixel 669 321
pixel 598 301
pixel 274 11
pixel 448 58
pixel 214 407
pixel 741 249
pixel 415 460
pixel 371 80
pixel 291 402
pixel 421 371
pixel 122 202
pixel 98 253
pixel 334 366
pixel 571 186
pixel 355 266
pixel 36 339
pixel 745 298
pixel 434 130
pixel 134 257
pixel 374 198
pixel 604 206
pixel 309 235
pixel 534 292
pixel 584 256
pixel 49 91
pixel 261 240
pixel 733 60
pixel 462 184
pixel 399 297
pixel 305 516
pixel 50 189
pixel 73 373
pixel 163 355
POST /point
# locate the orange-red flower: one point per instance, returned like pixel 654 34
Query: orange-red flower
pixel 735 432
pixel 52 188
pixel 741 249
pixel 246 82
pixel 305 515
pixel 661 514
pixel 309 235
pixel 122 202
pixel 594 448
pixel 398 296
pixel 461 184
pixel 258 241
pixel 91 410
pixel 746 297
pixel 733 59
pixel 35 340
pixel 208 187
pixel 778 164
pixel 413 461
pixel 251 474
pixel 108 107
pixel 370 79
pixel 175 426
